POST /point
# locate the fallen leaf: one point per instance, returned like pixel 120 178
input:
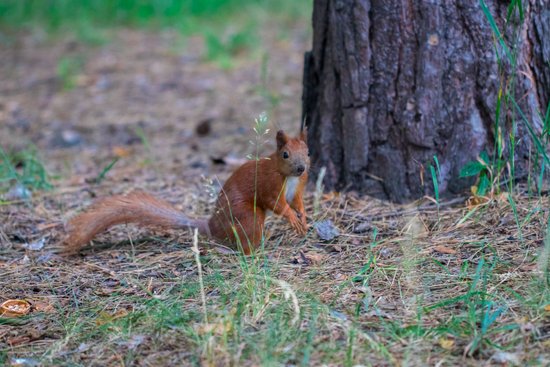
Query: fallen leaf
pixel 213 328
pixel 547 308
pixel 474 201
pixel 106 317
pixel 335 248
pixel 416 228
pixel 330 195
pixel 503 197
pixel 41 306
pixel 105 291
pixel 444 250
pixel 314 258
pixel 121 152
pixel 308 258
pixel 529 267
pixel 77 180
pixel 446 344
pixel 18 340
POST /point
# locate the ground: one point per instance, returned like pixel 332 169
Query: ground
pixel 400 285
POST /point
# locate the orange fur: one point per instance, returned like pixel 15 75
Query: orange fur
pixel 241 207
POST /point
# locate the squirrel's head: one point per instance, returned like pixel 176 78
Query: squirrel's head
pixel 292 154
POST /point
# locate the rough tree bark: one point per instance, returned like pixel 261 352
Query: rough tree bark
pixel 388 85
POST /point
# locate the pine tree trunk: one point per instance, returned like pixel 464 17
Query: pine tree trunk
pixel 388 85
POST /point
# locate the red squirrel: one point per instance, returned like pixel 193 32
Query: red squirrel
pixel 275 183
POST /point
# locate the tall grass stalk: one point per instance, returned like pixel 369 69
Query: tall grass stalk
pixel 196 251
pixel 435 181
pixel 507 56
pixel 544 257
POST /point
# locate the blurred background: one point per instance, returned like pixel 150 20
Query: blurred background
pixel 156 86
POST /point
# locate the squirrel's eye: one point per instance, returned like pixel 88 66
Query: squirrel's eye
pixel 285 155
pixel 308 153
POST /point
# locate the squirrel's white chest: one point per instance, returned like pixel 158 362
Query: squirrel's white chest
pixel 290 188
pixel 291 185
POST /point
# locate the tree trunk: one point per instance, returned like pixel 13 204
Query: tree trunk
pixel 389 85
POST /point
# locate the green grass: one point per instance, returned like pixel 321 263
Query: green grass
pixel 250 310
pixel 57 14
pixel 68 69
pixel 229 27
pixel 23 168
pixel 501 167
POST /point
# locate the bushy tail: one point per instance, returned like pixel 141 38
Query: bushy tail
pixel 137 207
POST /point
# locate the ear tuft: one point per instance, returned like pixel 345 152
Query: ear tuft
pixel 282 139
pixel 303 135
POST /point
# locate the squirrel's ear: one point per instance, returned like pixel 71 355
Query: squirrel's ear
pixel 303 135
pixel 282 139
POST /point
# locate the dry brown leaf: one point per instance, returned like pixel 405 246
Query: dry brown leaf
pixel 76 180
pixel 105 291
pixel 529 267
pixel 547 308
pixel 315 258
pixel 330 195
pixel 474 201
pixel 446 344
pixel 416 228
pixel 105 317
pixel 214 328
pixel 503 197
pixel 309 258
pixel 121 152
pixel 18 340
pixel 41 306
pixel 444 250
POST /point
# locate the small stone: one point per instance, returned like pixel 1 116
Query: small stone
pixel 326 230
pixel 18 192
pixel 386 253
pixel 506 357
pixel 36 245
pixel 66 138
pixel 362 227
pixel 204 127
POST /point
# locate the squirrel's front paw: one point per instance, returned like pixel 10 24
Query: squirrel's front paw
pixel 298 225
pixel 302 217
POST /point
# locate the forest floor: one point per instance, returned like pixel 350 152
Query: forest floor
pixel 400 285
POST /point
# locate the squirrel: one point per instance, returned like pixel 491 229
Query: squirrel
pixel 275 183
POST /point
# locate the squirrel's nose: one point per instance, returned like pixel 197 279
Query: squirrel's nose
pixel 301 169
